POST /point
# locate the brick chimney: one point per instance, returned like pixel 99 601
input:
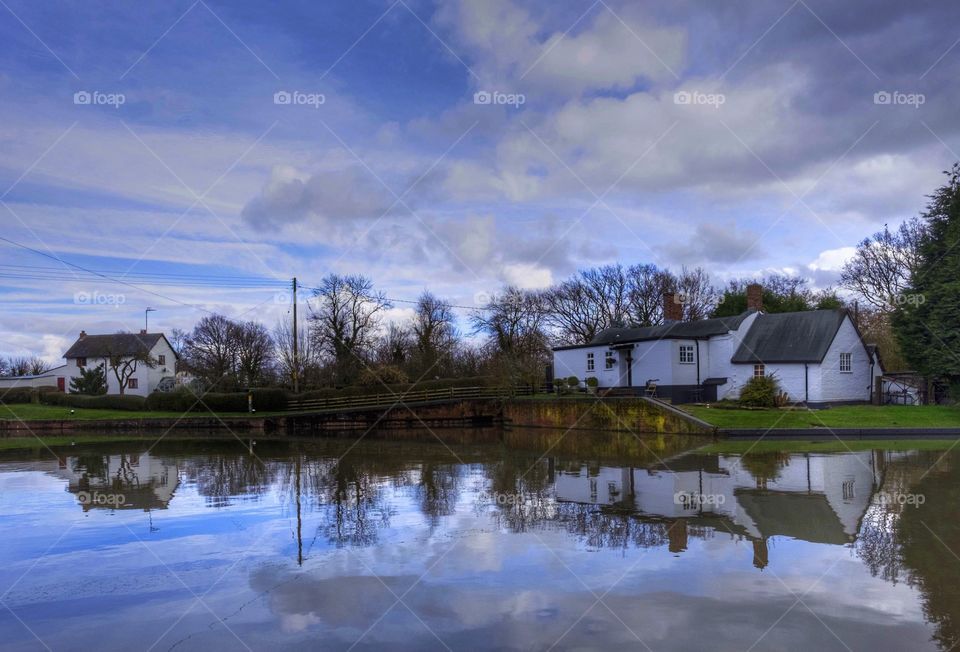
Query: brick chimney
pixel 83 334
pixel 143 331
pixel 672 307
pixel 755 297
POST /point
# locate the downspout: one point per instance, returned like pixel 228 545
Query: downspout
pixel 697 342
pixel 806 383
pixel 630 366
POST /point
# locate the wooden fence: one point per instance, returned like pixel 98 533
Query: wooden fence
pixel 369 401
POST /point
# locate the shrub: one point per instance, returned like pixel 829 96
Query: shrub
pixel 574 382
pixel 103 402
pixel 592 383
pixel 17 395
pixel 762 391
pixel 384 375
pixel 183 400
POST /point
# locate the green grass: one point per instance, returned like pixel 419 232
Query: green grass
pixel 845 416
pixel 833 446
pixel 33 412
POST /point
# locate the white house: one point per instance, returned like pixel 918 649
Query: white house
pixel 818 355
pixel 92 350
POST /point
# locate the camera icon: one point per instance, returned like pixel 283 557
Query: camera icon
pixel 482 298
pixel 482 97
pixel 82 97
pixel 83 497
pixel 682 97
pixel 81 298
pixel 282 97
pixel 882 97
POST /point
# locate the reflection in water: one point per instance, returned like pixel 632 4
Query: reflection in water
pixel 490 545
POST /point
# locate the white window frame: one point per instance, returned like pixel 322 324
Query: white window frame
pixel 609 360
pixel 759 370
pixel 591 365
pixel 848 359
pixel 687 348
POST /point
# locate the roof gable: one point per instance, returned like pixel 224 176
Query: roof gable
pixel 790 337
pixel 102 346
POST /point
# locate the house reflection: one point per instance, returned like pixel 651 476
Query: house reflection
pixel 819 498
pixel 123 481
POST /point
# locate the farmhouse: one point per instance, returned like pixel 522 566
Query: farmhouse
pixel 818 356
pixel 128 350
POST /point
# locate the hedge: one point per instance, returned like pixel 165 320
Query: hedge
pixel 104 402
pixel 17 395
pixel 265 400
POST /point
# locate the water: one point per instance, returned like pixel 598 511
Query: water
pixel 477 542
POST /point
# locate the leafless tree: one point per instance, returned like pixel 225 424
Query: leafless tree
pixel 594 299
pixel 394 347
pixel 697 293
pixel 434 333
pixel 253 347
pixel 881 268
pixel 515 324
pixel 647 283
pixel 346 320
pixel 23 366
pixel 307 360
pixel 124 364
pixel 210 349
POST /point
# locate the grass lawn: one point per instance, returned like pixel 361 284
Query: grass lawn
pixel 33 412
pixel 845 416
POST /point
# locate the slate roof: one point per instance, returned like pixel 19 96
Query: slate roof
pixel 790 337
pixel 102 346
pixel 693 330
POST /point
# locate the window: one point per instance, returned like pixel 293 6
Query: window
pixel 590 362
pixel 846 363
pixel 132 383
pixel 759 371
pixel 81 362
pixel 611 360
pixel 686 354
pixel 161 360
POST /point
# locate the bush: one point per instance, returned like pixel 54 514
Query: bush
pixel 266 399
pixel 574 382
pixel 17 395
pixel 105 402
pixel 380 376
pixel 762 391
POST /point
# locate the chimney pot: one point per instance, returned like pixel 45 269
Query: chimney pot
pixel 143 331
pixel 755 297
pixel 83 334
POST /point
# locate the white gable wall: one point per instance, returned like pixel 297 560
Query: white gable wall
pixel 837 386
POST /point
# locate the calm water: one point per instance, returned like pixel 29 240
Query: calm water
pixel 602 543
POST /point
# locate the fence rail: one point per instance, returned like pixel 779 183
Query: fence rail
pixel 405 398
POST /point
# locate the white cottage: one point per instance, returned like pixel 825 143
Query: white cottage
pixel 818 356
pixel 92 350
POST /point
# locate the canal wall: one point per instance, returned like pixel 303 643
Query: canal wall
pixel 623 414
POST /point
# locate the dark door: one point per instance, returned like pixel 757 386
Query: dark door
pixel 61 384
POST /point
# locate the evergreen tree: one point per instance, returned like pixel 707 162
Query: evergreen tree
pixel 927 318
pixel 92 381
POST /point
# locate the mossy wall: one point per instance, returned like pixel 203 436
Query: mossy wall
pixel 618 414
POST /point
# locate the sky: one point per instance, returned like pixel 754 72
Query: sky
pixel 197 154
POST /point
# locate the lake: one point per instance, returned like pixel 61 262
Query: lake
pixel 476 540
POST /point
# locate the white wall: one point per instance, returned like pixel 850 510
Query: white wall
pixel 837 386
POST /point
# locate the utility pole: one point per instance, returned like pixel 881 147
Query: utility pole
pixel 296 344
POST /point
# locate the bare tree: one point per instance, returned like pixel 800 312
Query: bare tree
pixel 647 283
pixel 24 366
pixel 210 349
pixel 434 333
pixel 698 295
pixel 882 266
pixel 590 301
pixel 124 365
pixel 307 360
pixel 394 347
pixel 346 320
pixel 254 353
pixel 515 325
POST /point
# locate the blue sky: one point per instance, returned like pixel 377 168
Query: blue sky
pixel 781 160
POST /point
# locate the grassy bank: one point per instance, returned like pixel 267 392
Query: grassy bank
pixel 845 416
pixel 831 446
pixel 33 412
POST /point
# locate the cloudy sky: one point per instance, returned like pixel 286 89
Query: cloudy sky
pixel 200 153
